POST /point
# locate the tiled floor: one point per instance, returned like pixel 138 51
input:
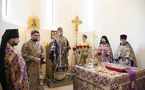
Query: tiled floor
pixel 68 87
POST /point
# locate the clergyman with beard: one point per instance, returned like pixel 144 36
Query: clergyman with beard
pixel 105 49
pixel 13 75
pixel 32 53
pixel 125 53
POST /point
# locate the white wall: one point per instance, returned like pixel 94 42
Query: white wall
pixel 126 16
pixel 6 25
pixel 119 16
pixel 17 11
pixel 36 7
pixel 0 15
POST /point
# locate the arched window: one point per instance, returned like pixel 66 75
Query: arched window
pixel 4 7
pixel 56 13
pixel 16 11
pixel 47 14
pixel 94 15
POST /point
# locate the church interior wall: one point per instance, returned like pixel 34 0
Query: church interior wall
pixel 118 17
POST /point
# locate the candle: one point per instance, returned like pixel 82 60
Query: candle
pixel 84 46
pixel 88 46
pixel 78 47
pixel 74 49
pixel 99 53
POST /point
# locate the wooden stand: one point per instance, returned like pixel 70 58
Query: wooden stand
pixel 49 68
pixel 51 82
pixel 49 79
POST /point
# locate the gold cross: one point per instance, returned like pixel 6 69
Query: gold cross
pixel 94 35
pixel 76 21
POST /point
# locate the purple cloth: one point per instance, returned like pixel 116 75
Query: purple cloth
pixel 132 78
pixel 106 50
pixel 61 47
pixel 134 65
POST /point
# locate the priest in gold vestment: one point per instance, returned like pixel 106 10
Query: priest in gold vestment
pixel 124 53
pixel 32 53
pixel 84 42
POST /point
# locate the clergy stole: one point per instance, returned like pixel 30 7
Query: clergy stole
pixel 132 78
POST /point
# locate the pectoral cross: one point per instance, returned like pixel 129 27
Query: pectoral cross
pixel 76 21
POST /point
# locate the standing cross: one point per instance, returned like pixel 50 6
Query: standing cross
pixel 76 21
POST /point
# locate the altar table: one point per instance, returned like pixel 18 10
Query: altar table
pixel 100 78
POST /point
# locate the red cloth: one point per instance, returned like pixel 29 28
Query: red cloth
pixel 114 69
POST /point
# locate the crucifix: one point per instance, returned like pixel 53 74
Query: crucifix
pixel 76 21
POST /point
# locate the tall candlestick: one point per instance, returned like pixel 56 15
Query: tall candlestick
pixel 25 34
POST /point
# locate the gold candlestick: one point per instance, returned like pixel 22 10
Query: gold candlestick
pixel 25 34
